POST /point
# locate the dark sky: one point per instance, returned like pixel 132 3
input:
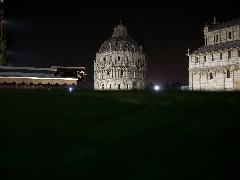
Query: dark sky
pixel 69 33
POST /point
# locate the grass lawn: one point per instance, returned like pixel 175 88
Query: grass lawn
pixel 119 135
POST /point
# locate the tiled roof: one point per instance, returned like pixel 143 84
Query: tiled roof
pixel 224 25
pixel 216 47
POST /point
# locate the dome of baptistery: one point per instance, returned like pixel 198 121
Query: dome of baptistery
pixel 120 63
pixel 120 41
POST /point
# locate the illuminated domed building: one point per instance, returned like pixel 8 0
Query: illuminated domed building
pixel 120 63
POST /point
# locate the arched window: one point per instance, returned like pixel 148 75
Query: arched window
pixel 103 87
pixel 121 74
pixel 119 58
pixel 211 75
pixel 217 38
pixel 229 54
pixel 118 73
pixel 110 86
pixel 229 35
pixel 196 59
pixel 119 86
pixel 228 74
pixel 220 56
pixel 205 58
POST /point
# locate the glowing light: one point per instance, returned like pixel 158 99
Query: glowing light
pixel 70 89
pixel 157 88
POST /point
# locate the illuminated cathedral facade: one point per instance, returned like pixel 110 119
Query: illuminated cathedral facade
pixel 120 63
pixel 216 65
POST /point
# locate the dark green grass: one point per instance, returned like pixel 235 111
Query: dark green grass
pixel 119 135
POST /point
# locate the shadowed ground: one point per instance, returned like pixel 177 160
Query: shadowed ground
pixel 119 135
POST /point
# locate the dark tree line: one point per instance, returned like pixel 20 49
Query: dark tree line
pixel 174 84
pixel 168 85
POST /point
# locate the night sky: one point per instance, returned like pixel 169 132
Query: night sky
pixel 70 32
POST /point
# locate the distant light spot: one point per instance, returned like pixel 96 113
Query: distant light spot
pixel 157 88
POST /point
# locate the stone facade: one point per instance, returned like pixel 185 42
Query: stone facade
pixel 120 63
pixel 3 52
pixel 216 65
